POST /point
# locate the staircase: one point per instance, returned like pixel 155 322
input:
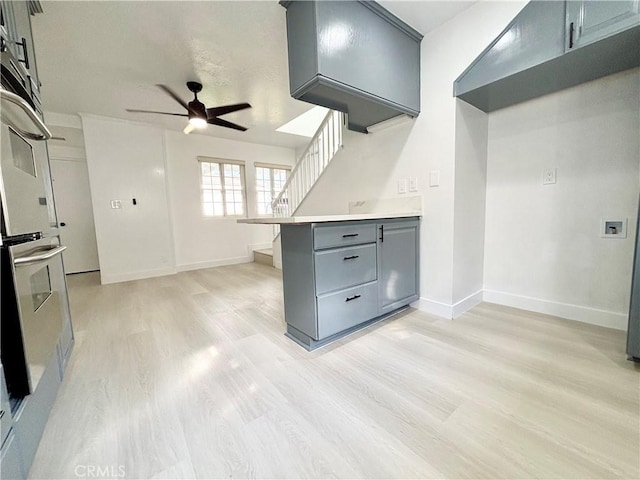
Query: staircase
pixel 323 146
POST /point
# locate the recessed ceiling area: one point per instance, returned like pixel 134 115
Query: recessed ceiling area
pixel 104 57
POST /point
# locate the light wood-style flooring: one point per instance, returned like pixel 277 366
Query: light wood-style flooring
pixel 190 376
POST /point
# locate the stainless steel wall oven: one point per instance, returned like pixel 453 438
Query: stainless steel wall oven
pixel 34 295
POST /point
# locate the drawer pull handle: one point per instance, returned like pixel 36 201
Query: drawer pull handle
pixel 348 299
pixel 352 257
pixel 350 235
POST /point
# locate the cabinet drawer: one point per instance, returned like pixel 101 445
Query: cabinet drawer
pixel 346 308
pixel 337 269
pixel 339 235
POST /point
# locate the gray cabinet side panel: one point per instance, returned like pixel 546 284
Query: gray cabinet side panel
pixel 301 41
pixel 298 278
pixel 360 48
pixel 535 36
pixel 11 467
pixel 633 332
pixel 32 416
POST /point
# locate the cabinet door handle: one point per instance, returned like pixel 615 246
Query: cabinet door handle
pixel 381 233
pixel 350 235
pixel 571 32
pixel 348 299
pixel 352 257
pixel 25 54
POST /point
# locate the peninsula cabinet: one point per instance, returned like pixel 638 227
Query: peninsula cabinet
pixel 341 276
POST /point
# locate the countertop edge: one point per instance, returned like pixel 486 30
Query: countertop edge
pixel 326 218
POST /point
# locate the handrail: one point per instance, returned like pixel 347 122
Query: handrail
pixel 321 149
pixel 26 108
pixel 299 162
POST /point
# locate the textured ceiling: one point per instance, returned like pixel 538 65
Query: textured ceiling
pixel 103 57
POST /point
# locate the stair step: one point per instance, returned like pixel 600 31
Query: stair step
pixel 264 256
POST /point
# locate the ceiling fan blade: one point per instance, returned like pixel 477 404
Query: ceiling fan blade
pixel 188 129
pixel 173 95
pixel 160 113
pixel 217 111
pixel 224 123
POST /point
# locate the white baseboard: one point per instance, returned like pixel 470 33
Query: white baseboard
pixel 438 309
pixel 213 263
pixel 127 277
pixel 446 310
pixel 594 316
pixel 467 303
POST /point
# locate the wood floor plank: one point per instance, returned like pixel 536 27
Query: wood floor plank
pixel 191 376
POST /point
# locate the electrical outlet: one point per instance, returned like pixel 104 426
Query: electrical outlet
pixel 549 176
pixel 413 184
pixel 402 185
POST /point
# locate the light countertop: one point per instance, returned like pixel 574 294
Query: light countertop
pixel 326 218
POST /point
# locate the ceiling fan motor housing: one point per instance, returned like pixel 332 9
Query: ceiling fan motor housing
pixel 197 109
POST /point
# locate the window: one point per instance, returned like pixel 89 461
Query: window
pixel 269 182
pixel 222 187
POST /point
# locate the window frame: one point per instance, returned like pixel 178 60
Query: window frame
pixel 221 162
pixel 271 167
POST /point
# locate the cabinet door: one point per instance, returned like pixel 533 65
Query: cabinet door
pixel 592 20
pixel 24 49
pixel 397 264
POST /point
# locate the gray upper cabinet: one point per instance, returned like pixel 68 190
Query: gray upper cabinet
pixel 538 52
pixel 16 31
pixel 535 36
pixel 591 20
pixel 354 57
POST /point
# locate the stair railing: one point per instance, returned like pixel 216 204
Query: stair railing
pixel 321 149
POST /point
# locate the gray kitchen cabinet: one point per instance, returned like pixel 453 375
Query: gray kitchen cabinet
pixel 24 41
pixel 589 21
pixel 341 276
pixel 32 414
pixel 355 57
pixel 535 36
pixel 18 37
pixel 12 466
pixel 399 252
pixel 538 52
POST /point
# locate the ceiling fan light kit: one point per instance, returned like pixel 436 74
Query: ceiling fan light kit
pixel 197 113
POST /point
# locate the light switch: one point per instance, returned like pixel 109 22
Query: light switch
pixel 434 178
pixel 116 204
pixel 413 184
pixel 402 185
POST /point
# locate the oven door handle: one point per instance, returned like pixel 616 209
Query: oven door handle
pixel 39 257
pixel 44 134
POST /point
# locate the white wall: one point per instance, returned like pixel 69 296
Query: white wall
pixel 543 249
pixel 469 206
pixel 126 161
pixel 166 232
pixel 207 241
pixel 370 165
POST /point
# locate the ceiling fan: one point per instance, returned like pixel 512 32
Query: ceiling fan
pixel 199 115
